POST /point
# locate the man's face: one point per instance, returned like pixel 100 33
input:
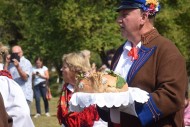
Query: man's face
pixel 17 50
pixel 129 22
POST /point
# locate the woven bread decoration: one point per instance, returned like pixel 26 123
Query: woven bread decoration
pixel 100 82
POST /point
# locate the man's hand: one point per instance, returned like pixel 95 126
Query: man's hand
pixel 23 75
pixel 15 62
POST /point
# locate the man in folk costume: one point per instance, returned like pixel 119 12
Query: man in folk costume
pixel 152 63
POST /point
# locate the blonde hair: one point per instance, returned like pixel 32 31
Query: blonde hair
pixel 76 62
pixel 85 53
pixel 4 51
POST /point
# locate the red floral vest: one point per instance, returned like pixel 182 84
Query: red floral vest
pixel 84 118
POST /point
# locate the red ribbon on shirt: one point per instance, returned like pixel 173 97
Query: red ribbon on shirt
pixel 133 53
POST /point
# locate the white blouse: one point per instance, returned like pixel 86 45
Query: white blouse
pixel 15 102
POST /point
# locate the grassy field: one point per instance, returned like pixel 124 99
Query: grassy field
pixel 44 121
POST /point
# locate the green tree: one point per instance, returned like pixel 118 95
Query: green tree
pixel 173 22
pixel 52 28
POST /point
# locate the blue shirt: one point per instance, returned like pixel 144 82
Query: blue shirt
pixel 26 85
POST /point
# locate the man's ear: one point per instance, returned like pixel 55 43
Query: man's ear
pixel 144 18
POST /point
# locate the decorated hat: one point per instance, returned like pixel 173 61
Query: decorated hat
pixel 151 6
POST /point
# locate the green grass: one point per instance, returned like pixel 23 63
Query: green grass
pixel 52 121
pixel 44 121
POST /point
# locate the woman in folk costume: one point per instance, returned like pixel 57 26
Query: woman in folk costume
pixel 74 64
pixel 13 96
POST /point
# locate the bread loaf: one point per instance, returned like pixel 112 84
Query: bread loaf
pixel 100 82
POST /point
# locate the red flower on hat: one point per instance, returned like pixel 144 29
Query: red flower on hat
pixel 152 6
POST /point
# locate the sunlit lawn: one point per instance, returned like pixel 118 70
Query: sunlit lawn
pixel 44 121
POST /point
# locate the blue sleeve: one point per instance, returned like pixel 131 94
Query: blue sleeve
pixel 148 112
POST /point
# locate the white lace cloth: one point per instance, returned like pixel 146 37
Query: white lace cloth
pixel 123 100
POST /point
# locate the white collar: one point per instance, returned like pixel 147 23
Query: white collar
pixel 70 87
pixel 128 46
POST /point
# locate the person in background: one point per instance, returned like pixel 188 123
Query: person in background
pixel 152 63
pixel 75 64
pixel 21 71
pixel 187 111
pixel 103 68
pixel 40 79
pixel 110 56
pixel 13 96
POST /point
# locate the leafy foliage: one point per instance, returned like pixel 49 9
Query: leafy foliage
pixel 51 28
pixel 173 22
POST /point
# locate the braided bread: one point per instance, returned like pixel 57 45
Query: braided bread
pixel 100 82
